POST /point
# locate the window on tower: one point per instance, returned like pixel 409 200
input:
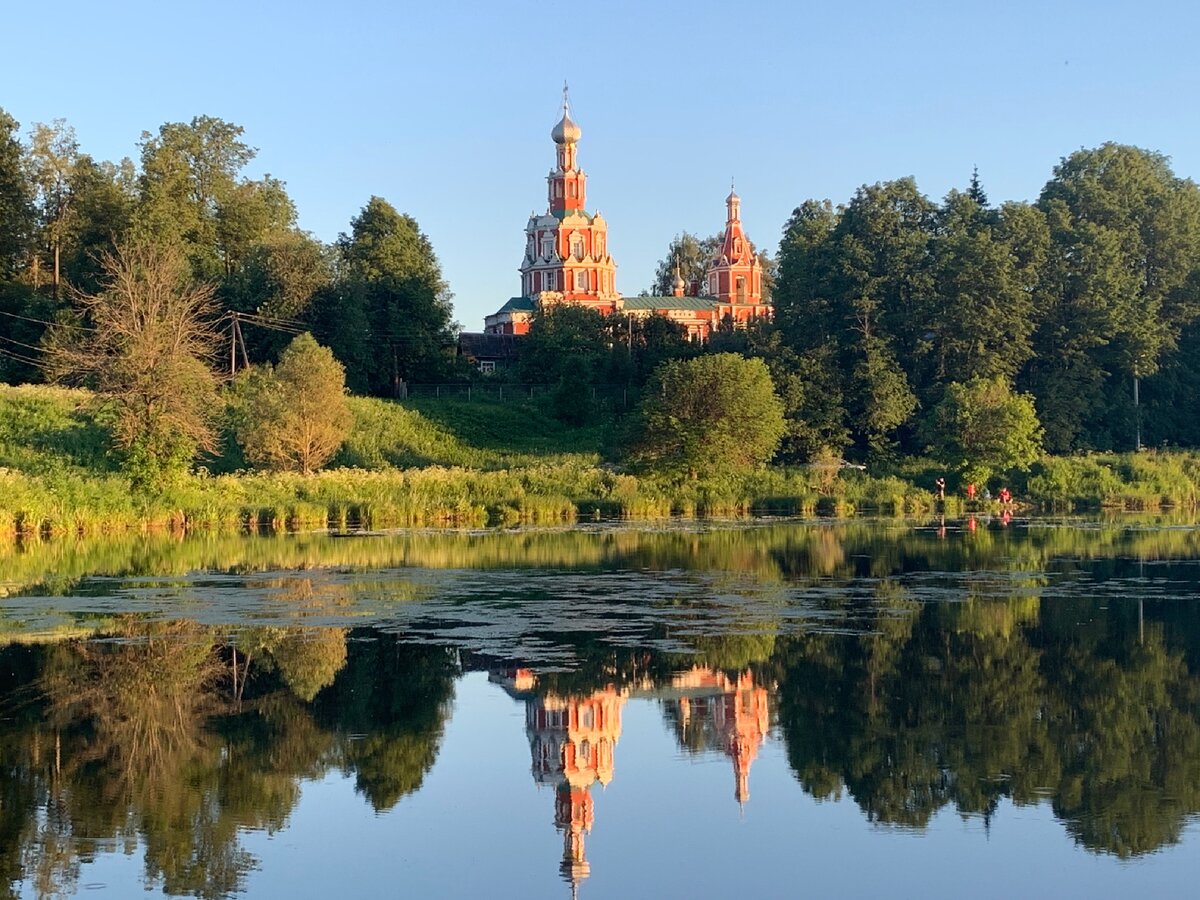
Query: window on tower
pixel 577 245
pixel 581 281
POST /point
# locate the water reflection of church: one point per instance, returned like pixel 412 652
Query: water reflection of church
pixel 572 739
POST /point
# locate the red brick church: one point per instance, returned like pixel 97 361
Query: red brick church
pixel 567 261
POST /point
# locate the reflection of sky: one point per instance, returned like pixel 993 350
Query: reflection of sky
pixel 667 826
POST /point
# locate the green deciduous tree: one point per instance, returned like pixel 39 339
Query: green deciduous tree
pixel 53 155
pixel 145 343
pixel 191 193
pixel 714 414
pixel 688 255
pixel 293 417
pixel 250 213
pixel 1125 242
pixel 281 277
pixel 103 196
pixel 16 201
pixel 986 265
pixel 983 427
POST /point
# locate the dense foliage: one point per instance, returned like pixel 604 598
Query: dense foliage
pixel 376 297
pixel 714 413
pixel 294 416
pixel 891 299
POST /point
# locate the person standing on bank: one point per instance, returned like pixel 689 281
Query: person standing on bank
pixel 941 488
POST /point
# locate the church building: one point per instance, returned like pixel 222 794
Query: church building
pixel 567 261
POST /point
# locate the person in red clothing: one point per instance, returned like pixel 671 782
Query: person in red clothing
pixel 1005 496
pixel 971 491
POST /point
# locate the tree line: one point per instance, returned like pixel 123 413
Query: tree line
pixel 981 333
pixel 376 296
pixel 1087 300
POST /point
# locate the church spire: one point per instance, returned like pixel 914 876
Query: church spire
pixel 733 206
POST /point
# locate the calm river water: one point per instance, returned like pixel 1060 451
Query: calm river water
pixel 765 709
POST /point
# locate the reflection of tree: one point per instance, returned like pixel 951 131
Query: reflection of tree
pixel 130 716
pixel 733 651
pixel 1130 737
pixel 393 699
pixel 967 703
pixel 140 738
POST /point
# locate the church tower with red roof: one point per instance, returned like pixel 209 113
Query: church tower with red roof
pixel 566 248
pixel 735 273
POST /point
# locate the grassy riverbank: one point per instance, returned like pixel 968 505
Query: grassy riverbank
pixel 453 463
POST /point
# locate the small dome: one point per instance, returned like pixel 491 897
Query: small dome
pixel 566 131
pixel 678 279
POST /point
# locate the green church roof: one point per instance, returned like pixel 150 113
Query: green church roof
pixel 693 304
pixel 517 304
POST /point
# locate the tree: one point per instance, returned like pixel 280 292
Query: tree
pixel 1120 288
pixel 16 206
pixel 881 400
pixel 713 414
pixel 806 369
pixel 250 213
pixel 982 427
pixel 144 343
pixel 189 172
pixel 564 339
pixel 854 293
pixel 53 156
pixel 389 317
pixel 281 277
pixel 688 255
pixel 295 416
pixel 983 289
pixel 103 196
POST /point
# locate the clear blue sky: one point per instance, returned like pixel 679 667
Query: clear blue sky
pixel 445 109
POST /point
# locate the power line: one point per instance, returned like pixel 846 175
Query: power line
pixel 22 344
pixel 24 359
pixel 45 322
pixel 24 318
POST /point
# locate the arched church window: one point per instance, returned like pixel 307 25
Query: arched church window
pixel 547 246
pixel 577 245
pixel 581 281
pixel 741 289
